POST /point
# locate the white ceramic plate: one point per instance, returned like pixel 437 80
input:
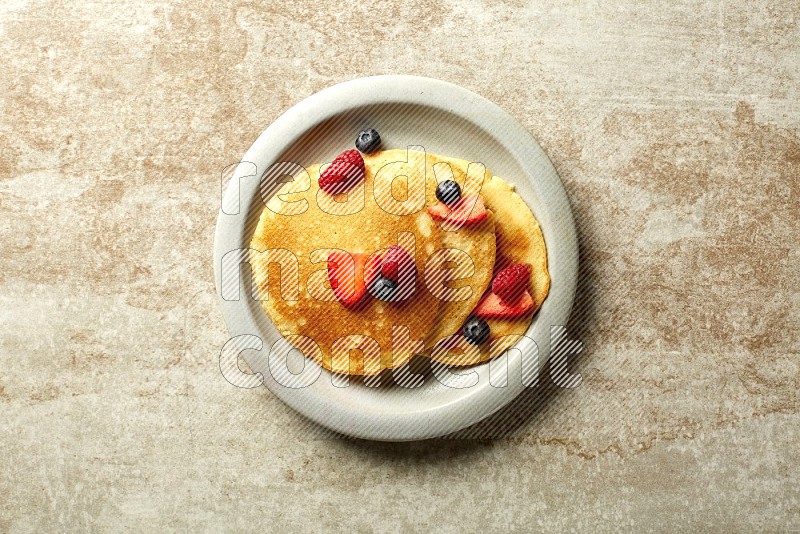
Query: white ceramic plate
pixel 445 119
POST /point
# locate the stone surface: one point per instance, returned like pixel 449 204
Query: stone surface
pixel 676 129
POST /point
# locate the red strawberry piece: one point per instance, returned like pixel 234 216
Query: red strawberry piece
pixel 468 210
pixel 343 172
pixel 491 307
pixel 395 261
pixel 509 283
pixel 350 274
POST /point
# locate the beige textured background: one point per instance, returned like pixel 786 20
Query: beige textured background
pixel 675 126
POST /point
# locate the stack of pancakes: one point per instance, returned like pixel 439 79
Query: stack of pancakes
pixel 455 266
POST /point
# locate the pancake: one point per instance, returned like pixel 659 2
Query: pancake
pixel 315 313
pixel 519 239
pixel 302 222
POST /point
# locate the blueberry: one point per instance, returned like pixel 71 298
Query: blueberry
pixel 476 330
pixel 368 141
pixel 383 288
pixel 448 192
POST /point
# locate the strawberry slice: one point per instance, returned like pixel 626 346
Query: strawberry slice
pixel 492 307
pixel 350 274
pixel 509 283
pixel 396 260
pixel 468 210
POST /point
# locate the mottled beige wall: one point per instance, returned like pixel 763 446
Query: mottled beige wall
pixel 675 126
